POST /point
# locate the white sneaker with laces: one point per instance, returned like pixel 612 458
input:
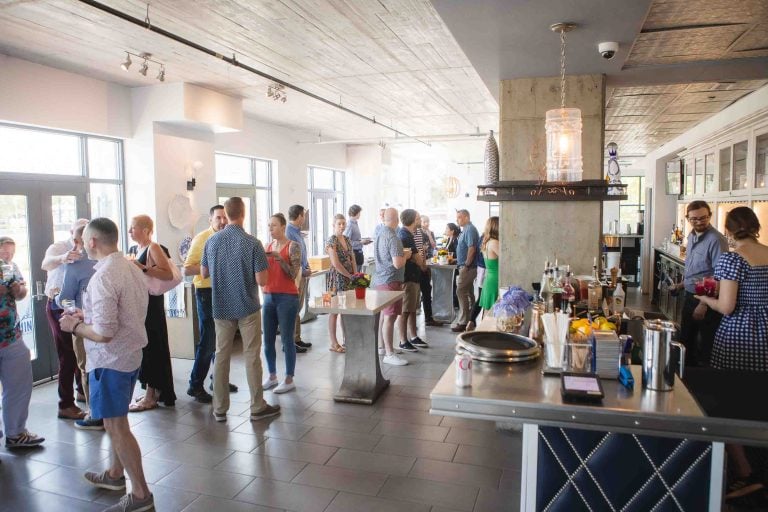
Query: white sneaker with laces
pixel 270 383
pixel 394 360
pixel 284 387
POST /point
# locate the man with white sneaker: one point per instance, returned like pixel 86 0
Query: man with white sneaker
pixel 388 275
pixel 237 265
pixel 414 262
pixel 112 325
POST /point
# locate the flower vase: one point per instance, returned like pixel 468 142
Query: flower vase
pixel 443 260
pixel 360 293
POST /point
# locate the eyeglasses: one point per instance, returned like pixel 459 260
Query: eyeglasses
pixel 698 219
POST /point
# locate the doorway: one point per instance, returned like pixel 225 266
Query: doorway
pixel 322 210
pixel 35 214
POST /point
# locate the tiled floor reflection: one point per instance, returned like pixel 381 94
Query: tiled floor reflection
pixel 317 455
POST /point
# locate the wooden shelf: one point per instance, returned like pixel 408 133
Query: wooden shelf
pixel 586 190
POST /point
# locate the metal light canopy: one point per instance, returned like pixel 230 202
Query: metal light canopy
pixel 563 127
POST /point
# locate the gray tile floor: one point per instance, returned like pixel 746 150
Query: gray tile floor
pixel 317 455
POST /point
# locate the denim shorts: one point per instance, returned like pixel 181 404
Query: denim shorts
pixel 111 392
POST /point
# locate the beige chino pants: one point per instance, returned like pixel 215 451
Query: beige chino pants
pixel 79 348
pixel 250 331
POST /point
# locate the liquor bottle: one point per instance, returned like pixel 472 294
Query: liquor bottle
pixel 569 295
pixel 618 297
pixel 595 290
pixel 546 291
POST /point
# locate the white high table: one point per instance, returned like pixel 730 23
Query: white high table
pixel 363 381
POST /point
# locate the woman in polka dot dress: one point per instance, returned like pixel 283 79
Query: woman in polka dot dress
pixel 741 341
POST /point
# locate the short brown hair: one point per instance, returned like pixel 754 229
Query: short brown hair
pixel 742 223
pixel 234 207
pixel 408 216
pixel 697 205
pixel 354 210
pixel 281 218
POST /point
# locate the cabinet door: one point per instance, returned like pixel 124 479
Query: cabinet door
pixel 725 169
pixel 740 166
pixel 761 160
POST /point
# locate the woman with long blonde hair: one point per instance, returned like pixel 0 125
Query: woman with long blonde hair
pixel 490 249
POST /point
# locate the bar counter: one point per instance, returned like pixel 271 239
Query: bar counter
pixel 636 450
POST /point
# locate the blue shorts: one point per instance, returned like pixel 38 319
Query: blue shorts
pixel 111 392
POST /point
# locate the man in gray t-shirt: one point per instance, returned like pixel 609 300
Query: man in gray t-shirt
pixel 389 275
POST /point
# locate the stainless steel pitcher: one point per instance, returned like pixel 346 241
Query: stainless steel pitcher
pixel 658 373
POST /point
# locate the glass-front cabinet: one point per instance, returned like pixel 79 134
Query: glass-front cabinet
pixel 709 173
pixel 739 179
pixel 761 160
pixel 725 169
pixel 688 168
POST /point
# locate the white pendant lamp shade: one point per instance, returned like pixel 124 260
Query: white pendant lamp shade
pixel 563 127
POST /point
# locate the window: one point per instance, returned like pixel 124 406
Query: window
pixel 251 179
pixel 327 197
pixel 635 201
pixel 96 160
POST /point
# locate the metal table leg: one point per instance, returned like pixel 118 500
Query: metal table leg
pixel 442 294
pixel 363 381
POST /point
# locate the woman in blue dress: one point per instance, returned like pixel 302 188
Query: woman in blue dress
pixel 741 341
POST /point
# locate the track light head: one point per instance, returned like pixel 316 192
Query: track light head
pixel 127 64
pixel 144 67
pixel 161 74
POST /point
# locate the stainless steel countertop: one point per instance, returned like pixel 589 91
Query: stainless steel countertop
pixel 519 392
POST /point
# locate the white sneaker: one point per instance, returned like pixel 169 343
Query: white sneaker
pixel 284 387
pixel 394 360
pixel 270 383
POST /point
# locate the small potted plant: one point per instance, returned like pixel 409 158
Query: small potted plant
pixel 509 310
pixel 442 257
pixel 360 282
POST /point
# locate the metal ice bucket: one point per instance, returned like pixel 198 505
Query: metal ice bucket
pixel 658 372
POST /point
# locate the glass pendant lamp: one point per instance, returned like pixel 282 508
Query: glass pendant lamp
pixel 563 127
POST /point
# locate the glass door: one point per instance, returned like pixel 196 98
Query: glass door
pixel 322 212
pixel 35 214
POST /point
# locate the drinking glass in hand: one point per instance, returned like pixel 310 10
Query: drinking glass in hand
pixel 69 306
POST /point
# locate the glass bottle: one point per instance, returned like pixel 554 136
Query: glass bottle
pixel 595 292
pixel 569 295
pixel 546 290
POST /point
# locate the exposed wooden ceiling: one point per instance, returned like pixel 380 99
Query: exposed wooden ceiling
pixel 394 60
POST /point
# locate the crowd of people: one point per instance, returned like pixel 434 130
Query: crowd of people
pixel 109 329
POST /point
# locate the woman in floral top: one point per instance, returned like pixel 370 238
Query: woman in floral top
pixel 343 266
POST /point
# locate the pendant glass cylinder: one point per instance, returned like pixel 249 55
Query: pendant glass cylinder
pixel 563 126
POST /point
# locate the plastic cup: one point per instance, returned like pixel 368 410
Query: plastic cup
pixel 578 357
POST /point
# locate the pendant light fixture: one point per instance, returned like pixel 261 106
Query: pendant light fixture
pixel 563 127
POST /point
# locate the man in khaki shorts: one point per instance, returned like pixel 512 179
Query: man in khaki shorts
pixel 414 262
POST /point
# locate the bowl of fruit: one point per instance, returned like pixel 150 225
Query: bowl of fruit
pixel 581 328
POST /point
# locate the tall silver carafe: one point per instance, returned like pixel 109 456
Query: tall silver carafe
pixel 658 372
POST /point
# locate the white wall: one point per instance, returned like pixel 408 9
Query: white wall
pixel 273 142
pixel 38 95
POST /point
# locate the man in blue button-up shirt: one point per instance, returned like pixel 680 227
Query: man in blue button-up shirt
pixel 466 264
pixel 237 265
pixel 705 245
pixel 296 217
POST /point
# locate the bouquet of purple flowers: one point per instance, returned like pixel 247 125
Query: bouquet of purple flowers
pixel 514 302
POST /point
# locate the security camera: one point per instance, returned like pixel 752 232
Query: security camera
pixel 608 50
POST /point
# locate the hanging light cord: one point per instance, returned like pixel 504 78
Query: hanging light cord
pixel 562 69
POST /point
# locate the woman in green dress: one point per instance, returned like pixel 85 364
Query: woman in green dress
pixel 490 248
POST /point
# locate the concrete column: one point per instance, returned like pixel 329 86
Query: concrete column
pixel 532 231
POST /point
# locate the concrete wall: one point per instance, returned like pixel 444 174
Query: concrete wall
pixel 531 231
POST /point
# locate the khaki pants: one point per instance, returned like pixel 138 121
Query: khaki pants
pixel 465 292
pixel 79 348
pixel 250 331
pixel 302 286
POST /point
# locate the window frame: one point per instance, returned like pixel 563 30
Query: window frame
pixel 250 189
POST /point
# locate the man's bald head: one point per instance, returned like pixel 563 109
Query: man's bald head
pixel 391 218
